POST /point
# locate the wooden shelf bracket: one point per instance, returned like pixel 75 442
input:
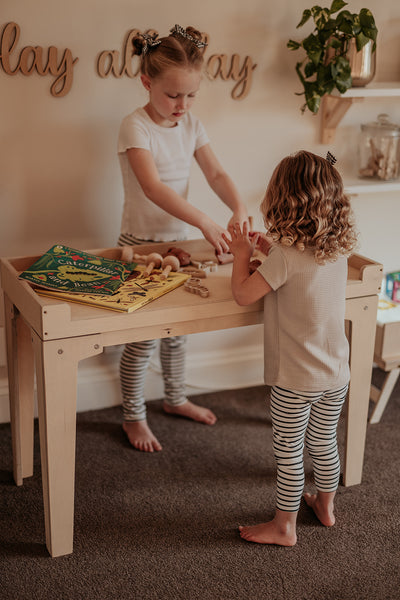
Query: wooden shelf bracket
pixel 333 109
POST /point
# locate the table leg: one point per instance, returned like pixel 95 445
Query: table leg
pixel 361 312
pixel 57 366
pixel 21 391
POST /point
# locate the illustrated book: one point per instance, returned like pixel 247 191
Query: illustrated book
pixel 74 271
pixel 136 292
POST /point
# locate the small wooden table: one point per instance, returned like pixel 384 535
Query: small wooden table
pixel 55 335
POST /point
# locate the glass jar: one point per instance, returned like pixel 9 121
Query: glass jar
pixel 379 151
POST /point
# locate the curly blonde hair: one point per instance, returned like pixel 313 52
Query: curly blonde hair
pixel 305 205
pixel 173 50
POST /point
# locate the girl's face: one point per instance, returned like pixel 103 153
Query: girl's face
pixel 171 95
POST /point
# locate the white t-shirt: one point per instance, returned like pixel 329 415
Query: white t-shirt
pixel 306 348
pixel 172 149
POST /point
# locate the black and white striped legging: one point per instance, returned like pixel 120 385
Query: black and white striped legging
pixel 135 360
pixel 309 417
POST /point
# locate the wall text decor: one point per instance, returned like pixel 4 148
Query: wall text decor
pixel 120 63
pixel 33 58
pixel 60 63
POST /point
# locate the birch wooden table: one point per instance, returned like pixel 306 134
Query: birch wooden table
pixel 53 336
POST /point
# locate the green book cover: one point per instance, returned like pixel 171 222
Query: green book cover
pixel 69 270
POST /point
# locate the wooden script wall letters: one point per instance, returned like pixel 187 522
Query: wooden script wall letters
pixel 32 58
pixel 60 64
pixel 118 64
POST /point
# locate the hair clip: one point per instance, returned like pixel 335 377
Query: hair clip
pixel 177 29
pixel 330 158
pixel 149 42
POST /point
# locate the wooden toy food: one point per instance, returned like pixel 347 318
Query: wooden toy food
pixel 153 260
pixel 194 286
pixel 182 255
pixel 127 253
pixel 169 263
pixel 253 265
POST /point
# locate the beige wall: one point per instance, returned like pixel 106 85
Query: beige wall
pixel 59 173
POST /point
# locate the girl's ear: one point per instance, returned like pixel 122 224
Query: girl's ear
pixel 146 81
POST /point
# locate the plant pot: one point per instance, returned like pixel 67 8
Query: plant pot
pixel 362 63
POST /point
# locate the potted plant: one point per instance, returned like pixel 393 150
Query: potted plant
pixel 326 65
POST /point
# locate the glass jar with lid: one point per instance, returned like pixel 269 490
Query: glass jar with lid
pixel 379 151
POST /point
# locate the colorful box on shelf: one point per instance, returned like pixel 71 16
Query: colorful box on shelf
pixel 393 286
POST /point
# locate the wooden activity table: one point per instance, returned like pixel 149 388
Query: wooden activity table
pixel 54 336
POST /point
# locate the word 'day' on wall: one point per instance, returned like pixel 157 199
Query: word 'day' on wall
pixel 219 65
pixel 34 58
pixel 119 63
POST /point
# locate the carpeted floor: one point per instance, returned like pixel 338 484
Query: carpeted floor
pixel 164 526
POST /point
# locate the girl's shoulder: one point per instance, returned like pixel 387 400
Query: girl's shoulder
pixel 138 115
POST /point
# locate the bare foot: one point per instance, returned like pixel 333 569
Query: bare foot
pixel 191 411
pixel 323 507
pixel 270 533
pixel 140 436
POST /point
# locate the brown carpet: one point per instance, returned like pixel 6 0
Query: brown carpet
pixel 164 526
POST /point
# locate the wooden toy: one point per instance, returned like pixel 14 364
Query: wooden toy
pixel 224 258
pixel 153 260
pixel 169 263
pixel 253 265
pixel 182 255
pixel 140 258
pixel 210 265
pixel 194 272
pixel 127 253
pixel 194 286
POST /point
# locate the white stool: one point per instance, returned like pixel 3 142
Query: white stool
pixel 387 357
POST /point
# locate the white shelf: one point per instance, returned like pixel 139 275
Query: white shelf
pixel 335 105
pixel 378 89
pixel 365 186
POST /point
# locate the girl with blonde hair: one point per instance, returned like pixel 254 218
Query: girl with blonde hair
pixel 303 281
pixel 156 146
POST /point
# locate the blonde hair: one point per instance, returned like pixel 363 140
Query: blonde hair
pixel 305 206
pixel 171 51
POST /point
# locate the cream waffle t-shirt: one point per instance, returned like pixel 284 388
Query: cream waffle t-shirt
pixel 305 346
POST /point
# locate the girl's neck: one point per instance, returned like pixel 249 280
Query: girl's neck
pixel 155 118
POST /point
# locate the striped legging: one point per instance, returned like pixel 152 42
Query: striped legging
pixel 309 417
pixel 135 360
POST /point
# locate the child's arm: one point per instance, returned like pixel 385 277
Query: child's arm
pixel 142 163
pixel 246 288
pixel 220 182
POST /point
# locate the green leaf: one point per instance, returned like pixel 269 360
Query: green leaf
pixel 299 73
pixel 292 45
pixel 343 77
pixel 313 99
pixel 313 48
pixel 343 66
pixel 337 5
pixel 345 22
pixel 334 43
pixel 304 18
pixel 321 16
pixel 366 19
pixel 309 69
pixel 343 84
pixel 361 40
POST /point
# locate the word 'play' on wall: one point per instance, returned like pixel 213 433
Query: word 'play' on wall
pixel 60 64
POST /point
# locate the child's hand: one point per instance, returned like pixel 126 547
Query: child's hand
pixel 215 234
pixel 241 244
pixel 239 217
pixel 264 243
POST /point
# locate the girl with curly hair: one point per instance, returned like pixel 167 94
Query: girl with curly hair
pixel 303 281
